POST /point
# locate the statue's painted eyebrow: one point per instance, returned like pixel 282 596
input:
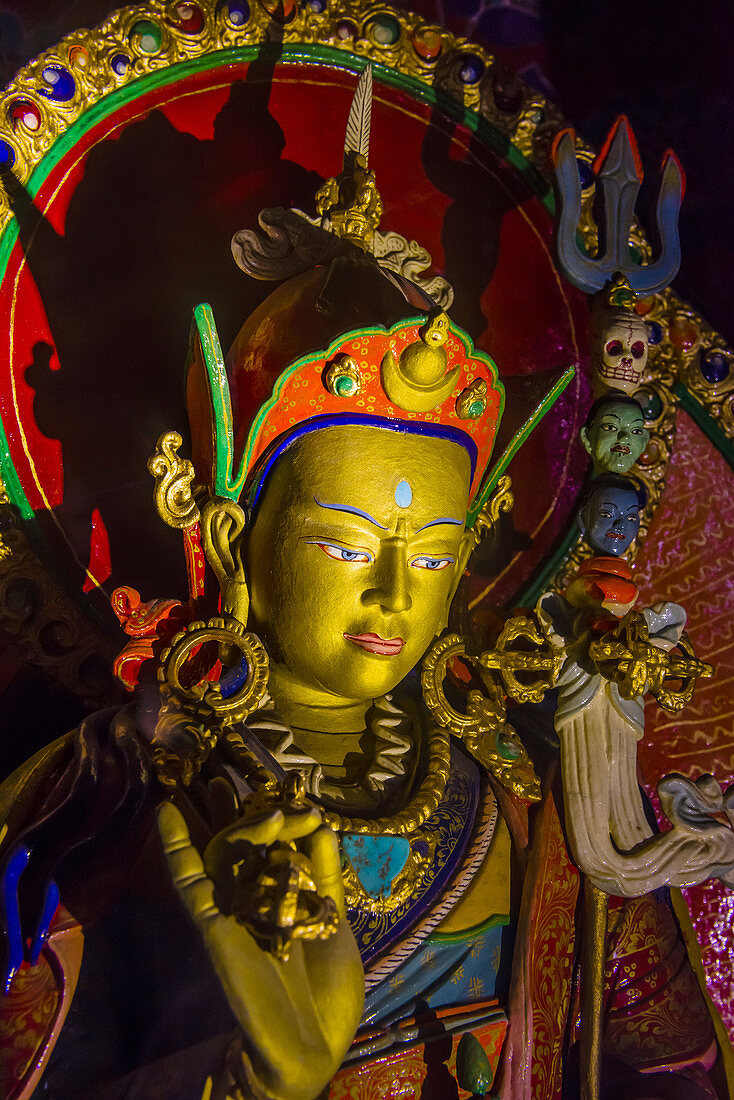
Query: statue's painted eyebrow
pixel 444 519
pixel 350 511
pixel 617 417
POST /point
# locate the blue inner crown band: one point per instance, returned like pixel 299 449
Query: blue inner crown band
pixel 276 449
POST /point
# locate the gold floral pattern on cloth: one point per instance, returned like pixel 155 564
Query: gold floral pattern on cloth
pixel 403 1075
pixel 27 1017
pixel 655 1013
pixel 551 953
pixel 32 1013
pixel 540 990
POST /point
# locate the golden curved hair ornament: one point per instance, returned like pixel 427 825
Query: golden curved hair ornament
pixel 483 729
pixel 418 380
pixel 173 495
pixel 502 500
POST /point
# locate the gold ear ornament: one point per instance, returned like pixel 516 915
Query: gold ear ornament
pixel 193 717
pixel 483 729
pixel 228 634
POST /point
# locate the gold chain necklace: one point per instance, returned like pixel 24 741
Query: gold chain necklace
pixel 420 807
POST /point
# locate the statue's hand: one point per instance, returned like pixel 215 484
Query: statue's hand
pixel 300 1013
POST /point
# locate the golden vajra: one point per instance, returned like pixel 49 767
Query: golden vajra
pixel 271 890
pixel 628 658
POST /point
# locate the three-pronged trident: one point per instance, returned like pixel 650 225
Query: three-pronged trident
pixel 619 169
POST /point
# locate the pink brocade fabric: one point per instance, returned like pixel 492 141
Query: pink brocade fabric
pixel 687 557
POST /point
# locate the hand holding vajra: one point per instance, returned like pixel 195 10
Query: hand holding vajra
pixel 270 909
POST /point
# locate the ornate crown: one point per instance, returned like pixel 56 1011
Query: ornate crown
pixel 422 375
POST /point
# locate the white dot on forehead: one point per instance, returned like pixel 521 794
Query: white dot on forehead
pixel 403 495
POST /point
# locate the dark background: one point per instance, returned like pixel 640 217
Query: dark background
pixel 667 64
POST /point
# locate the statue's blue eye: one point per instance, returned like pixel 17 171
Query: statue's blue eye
pixel 340 553
pixel 431 563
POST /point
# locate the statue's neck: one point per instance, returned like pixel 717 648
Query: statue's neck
pixel 311 709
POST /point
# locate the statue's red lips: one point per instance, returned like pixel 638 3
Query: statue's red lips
pixel 621 448
pixel 373 643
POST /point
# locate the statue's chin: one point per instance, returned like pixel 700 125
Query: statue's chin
pixel 367 678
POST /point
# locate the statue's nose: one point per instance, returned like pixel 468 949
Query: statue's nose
pixel 391 577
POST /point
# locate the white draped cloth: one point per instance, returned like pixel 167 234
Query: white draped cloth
pixel 609 835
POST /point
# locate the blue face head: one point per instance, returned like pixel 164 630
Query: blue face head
pixel 610 518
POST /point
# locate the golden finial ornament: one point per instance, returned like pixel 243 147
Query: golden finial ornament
pixel 502 500
pixel 173 494
pixel 349 204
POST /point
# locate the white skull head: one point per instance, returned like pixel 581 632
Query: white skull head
pixel 620 352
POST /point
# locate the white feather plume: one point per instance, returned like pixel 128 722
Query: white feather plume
pixel 357 139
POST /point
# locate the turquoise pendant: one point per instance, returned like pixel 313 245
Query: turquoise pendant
pixel 376 860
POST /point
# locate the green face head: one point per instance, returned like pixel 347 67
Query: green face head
pixel 353 558
pixel 616 437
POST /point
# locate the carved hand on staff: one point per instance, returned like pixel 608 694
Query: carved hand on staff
pixel 298 1009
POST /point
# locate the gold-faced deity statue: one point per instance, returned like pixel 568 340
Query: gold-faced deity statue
pixel 338 526
pixel 354 554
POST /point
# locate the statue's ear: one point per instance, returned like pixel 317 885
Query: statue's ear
pixel 584 437
pixel 581 521
pixel 223 523
pixel 465 548
pixel 468 542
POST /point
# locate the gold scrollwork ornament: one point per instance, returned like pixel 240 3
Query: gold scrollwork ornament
pixel 502 500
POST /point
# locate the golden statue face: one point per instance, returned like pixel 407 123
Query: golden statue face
pixel 354 556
